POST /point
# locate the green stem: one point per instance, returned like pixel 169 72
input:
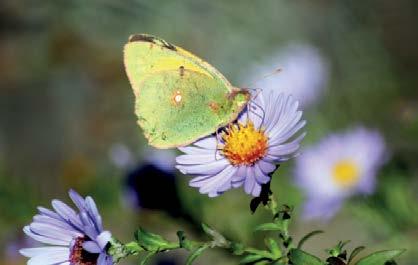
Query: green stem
pixel 151 243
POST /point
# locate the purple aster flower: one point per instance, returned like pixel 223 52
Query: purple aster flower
pixel 73 238
pixel 338 167
pixel 247 151
pixel 304 73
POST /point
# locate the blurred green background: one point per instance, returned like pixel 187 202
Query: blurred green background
pixel 65 102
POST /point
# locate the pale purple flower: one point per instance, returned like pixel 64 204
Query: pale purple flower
pixel 121 156
pixel 72 238
pixel 304 73
pixel 246 152
pixel 339 166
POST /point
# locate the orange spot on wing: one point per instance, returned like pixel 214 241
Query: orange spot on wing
pixel 214 106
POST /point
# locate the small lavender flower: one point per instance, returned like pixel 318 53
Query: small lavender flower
pixel 74 238
pixel 304 73
pixel 338 167
pixel 246 152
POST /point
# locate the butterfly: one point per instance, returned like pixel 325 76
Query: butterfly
pixel 179 97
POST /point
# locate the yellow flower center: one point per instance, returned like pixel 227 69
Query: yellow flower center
pixel 346 173
pixel 244 144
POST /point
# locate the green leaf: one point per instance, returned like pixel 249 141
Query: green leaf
pixel 237 248
pixel 269 227
pixel 251 258
pixel 379 258
pixel 300 257
pixel 195 254
pixel 262 253
pixel 354 253
pixel 273 247
pixel 311 234
pixel 152 242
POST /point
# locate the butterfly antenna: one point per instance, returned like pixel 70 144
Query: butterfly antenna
pixel 217 143
pixel 276 71
pixel 257 114
pixel 257 106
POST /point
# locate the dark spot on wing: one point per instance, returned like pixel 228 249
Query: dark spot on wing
pixel 152 39
pixel 141 37
pixel 181 70
pixel 168 45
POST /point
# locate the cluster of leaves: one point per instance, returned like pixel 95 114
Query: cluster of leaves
pixel 338 256
pixel 279 249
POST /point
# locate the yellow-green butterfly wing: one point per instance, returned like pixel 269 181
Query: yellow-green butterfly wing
pixel 179 97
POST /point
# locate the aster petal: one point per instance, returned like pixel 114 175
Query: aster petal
pixel 278 106
pixel 269 103
pixel 237 184
pixel 52 221
pixel 103 239
pixel 286 149
pixel 256 190
pixel 94 213
pixel 77 199
pixel 207 143
pixel 48 212
pixel 276 159
pixel 45 239
pixel 32 252
pixel 196 159
pixel 192 150
pixel 287 125
pixel 240 174
pixel 250 185
pixel 249 180
pixel 66 212
pixel 260 177
pixel 49 258
pixel 91 247
pixel 287 116
pixel 88 225
pixel 210 168
pixel 227 185
pixel 199 180
pixel 54 232
pixel 213 184
pixel 266 167
pixel 288 134
pixel 283 114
